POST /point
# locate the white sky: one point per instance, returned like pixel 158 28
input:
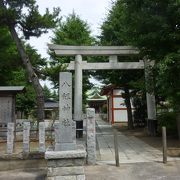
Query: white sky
pixel 92 11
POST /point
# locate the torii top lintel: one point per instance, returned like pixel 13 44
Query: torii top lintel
pixel 63 50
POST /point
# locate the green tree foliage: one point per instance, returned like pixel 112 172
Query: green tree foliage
pixel 72 31
pixel 25 102
pixel 48 94
pixel 12 72
pixel 112 29
pixel 23 16
pixel 9 59
pixel 153 27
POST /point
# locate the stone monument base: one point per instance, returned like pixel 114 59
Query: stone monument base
pixel 66 165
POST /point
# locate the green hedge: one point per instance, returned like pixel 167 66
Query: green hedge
pixel 168 119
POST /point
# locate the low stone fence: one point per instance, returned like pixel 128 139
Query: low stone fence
pixel 11 135
pixel 26 136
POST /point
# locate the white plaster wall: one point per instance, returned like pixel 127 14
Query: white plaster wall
pixel 120 116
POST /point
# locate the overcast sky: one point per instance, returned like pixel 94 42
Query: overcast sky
pixel 92 11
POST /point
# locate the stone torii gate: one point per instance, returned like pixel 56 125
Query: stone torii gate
pixel 113 52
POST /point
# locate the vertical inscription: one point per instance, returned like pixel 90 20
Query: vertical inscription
pixel 65 107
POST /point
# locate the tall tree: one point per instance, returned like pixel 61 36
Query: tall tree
pixel 153 27
pixel 24 16
pixel 12 72
pixel 111 34
pixel 72 31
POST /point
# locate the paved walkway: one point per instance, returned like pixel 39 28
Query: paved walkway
pixel 134 171
pixel 131 149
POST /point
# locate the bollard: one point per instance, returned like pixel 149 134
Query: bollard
pixel 116 150
pixel 164 141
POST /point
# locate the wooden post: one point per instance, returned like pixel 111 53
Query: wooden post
pixel 164 141
pixel 116 150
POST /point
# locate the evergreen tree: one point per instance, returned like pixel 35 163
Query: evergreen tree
pixel 72 31
pixel 153 27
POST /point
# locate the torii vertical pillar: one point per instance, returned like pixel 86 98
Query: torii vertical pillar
pixel 150 98
pixel 78 95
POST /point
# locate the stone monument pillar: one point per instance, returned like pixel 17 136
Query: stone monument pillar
pixel 65 135
pixel 67 159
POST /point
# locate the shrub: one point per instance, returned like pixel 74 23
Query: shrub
pixel 167 119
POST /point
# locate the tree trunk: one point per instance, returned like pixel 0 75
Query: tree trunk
pixel 129 109
pixel 31 74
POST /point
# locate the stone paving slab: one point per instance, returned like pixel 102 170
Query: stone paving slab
pixel 131 149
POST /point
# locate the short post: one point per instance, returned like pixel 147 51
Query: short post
pixel 164 141
pixel 116 150
pixel 91 136
pixel 26 137
pixel 42 136
pixel 10 138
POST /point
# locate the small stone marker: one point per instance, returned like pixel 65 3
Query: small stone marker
pixel 64 132
pixel 10 138
pixel 91 136
pixel 42 146
pixel 26 136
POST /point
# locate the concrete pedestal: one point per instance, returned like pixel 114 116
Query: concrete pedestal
pixel 66 165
